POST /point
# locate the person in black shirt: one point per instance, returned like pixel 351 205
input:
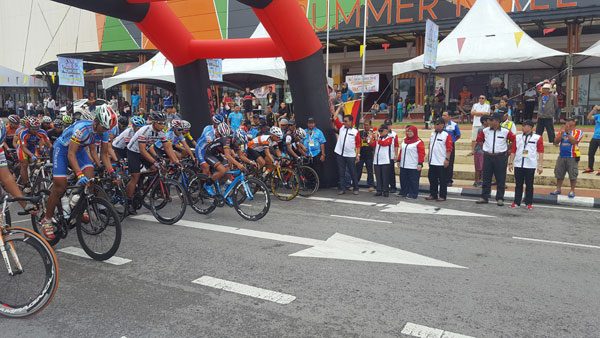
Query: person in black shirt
pixel 55 132
pixel 271 98
pixel 283 112
pixel 270 116
pixel 366 155
pixel 248 102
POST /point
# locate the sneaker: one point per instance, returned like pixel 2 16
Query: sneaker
pixel 27 190
pixel 500 203
pixel 530 207
pixel 482 201
pixel 571 194
pixel 514 205
pixel 371 189
pixel 430 198
pixel 355 192
pixel 47 228
pixel 341 192
pixel 440 200
pixel 209 190
pixel 588 170
pixel 555 193
pixel 377 194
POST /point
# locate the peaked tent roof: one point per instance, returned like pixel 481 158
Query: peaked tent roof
pixel 156 70
pixel 487 39
pixel 13 78
pixel 588 59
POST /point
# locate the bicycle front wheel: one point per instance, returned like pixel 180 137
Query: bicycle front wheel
pixel 34 277
pixel 309 181
pixel 284 184
pixel 200 201
pixel 168 201
pixel 99 229
pixel 251 199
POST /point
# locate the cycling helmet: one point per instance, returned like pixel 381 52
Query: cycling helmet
pixel 176 124
pixel 241 137
pixel 33 122
pixel 2 131
pixel 186 125
pixel 123 120
pixel 300 133
pixel 158 116
pixel 223 129
pixel 15 119
pixel 276 131
pixel 58 123
pixel 138 121
pixel 218 119
pixel 114 117
pixel 104 116
pixel 46 119
pixel 67 120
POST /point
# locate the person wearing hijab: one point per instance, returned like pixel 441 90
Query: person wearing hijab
pixel 410 162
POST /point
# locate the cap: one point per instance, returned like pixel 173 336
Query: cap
pixel 547 86
pixel 311 119
pixel 292 122
pixel 528 123
pixel 496 117
pixel 284 121
pixel 388 122
pixel 439 120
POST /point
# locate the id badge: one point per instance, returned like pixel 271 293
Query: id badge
pixel 311 143
pixel 526 153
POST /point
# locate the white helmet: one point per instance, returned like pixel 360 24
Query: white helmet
pixel 223 129
pixel 46 119
pixel 276 131
pixel 300 133
pixel 176 124
pixel 104 115
pixel 186 124
pixel 84 112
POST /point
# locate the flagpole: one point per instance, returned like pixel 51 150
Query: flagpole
pixel 327 43
pixel 364 57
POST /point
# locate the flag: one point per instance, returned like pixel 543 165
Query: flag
pixel 362 50
pixel 385 46
pixel 25 79
pixel 352 108
pixel 461 43
pixel 53 76
pixel 549 30
pixel 115 70
pixel 518 37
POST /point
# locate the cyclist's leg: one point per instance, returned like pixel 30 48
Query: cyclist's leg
pixel 85 163
pixel 24 165
pixel 8 180
pixel 218 167
pixel 135 164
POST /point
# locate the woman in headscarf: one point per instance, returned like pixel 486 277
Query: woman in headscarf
pixel 410 161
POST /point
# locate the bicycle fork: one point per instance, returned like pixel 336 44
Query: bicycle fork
pixel 13 254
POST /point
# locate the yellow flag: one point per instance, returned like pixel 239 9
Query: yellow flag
pixel 362 50
pixel 115 70
pixel 518 37
pixel 25 79
pixel 152 62
pixel 53 76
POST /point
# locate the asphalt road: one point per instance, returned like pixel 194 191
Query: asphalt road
pixel 489 284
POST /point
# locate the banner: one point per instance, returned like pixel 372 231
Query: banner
pixel 215 69
pixel 371 83
pixel 431 44
pixel 70 72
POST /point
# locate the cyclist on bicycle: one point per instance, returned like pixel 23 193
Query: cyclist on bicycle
pixel 297 142
pixel 186 133
pixel 259 149
pixel 54 133
pixel 46 123
pixel 123 123
pixel 14 122
pixel 119 143
pixel 176 136
pixel 238 145
pixel 137 152
pixel 32 140
pixel 219 156
pixel 208 135
pixel 71 150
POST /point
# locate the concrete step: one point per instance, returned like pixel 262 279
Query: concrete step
pixel 549 159
pixel 549 148
pixel 466 133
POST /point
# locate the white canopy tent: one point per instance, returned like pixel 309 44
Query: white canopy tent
pixel 240 71
pixel 12 78
pixel 485 40
pixel 588 61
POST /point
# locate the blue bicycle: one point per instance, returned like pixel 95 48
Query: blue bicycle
pixel 249 196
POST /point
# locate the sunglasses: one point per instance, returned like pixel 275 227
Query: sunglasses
pixel 482 98
pixel 162 123
pixel 178 129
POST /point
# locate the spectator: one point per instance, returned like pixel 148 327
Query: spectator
pixel 347 150
pixel 235 118
pixel 506 122
pixel 366 154
pixel 548 110
pixel 392 101
pixel 347 93
pixel 440 147
pixel 9 105
pixel 284 111
pixel 395 146
pixel 315 146
pixel 594 116
pixel 227 101
pixel 114 103
pixel 529 156
pixel 496 142
pixel 270 116
pixel 453 129
pixel 237 99
pixel 155 100
pixel 271 98
pixel 382 142
pixel 568 157
pixel 530 97
pixel 464 96
pixel 399 110
pixel 410 161
pixel 91 101
pixel 51 106
pixel 168 101
pixel 248 102
pixel 479 109
pixel 135 102
pixel 499 93
pixel 478 155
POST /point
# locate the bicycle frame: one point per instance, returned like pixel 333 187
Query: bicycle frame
pixel 238 177
pixel 13 253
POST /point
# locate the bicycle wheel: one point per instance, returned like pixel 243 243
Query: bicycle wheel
pixel 98 228
pixel 251 199
pixel 199 199
pixel 309 181
pixel 36 219
pixel 285 185
pixel 32 286
pixel 170 196
pixel 118 198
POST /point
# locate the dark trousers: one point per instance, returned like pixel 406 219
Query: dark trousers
pixel 346 163
pixel 494 166
pixel 366 161
pixel 594 145
pixel 438 182
pixel 382 176
pixel 392 177
pixel 528 112
pixel 524 175
pixel 409 182
pixel 450 168
pixel 548 124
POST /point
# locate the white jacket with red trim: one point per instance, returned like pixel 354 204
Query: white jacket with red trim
pixel 439 145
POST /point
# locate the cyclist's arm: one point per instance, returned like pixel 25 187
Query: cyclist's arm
pixel 152 151
pixel 242 155
pixel 290 150
pixel 94 154
pixel 144 152
pixel 111 153
pixel 106 152
pixel 231 158
pixel 301 149
pixel 269 155
pixel 168 147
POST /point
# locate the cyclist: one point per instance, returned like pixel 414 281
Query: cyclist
pixel 238 145
pixel 290 140
pixel 137 152
pixel 54 133
pixel 123 123
pixel 46 123
pixel 32 139
pixel 119 143
pixel 259 149
pixel 208 135
pixel 67 120
pixel 297 142
pixel 176 136
pixel 186 132
pixel 14 122
pixel 218 155
pixel 70 151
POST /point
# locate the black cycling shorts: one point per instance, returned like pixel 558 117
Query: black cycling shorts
pixel 135 162
pixel 254 155
pixel 121 153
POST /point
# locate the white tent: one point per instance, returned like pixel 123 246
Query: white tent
pixel 13 78
pixel 487 39
pixel 588 59
pixel 240 71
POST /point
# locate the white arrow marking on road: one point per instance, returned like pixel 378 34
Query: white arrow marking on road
pixel 338 246
pixel 114 260
pixel 413 208
pixel 421 331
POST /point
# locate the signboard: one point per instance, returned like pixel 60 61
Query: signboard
pixel 431 44
pixel 215 69
pixel 371 83
pixel 70 72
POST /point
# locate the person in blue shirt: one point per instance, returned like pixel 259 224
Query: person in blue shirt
pixel 314 142
pixel 347 93
pixel 208 135
pixel 235 118
pixel 451 128
pixel 135 101
pixel 70 151
pixel 594 116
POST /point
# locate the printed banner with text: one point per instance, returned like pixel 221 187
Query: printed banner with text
pixel 371 83
pixel 70 72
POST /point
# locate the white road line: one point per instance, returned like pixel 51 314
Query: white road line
pixel 557 242
pixel 114 260
pixel 422 331
pixel 247 290
pixel 381 205
pixel 370 204
pixel 21 221
pixel 325 199
pixel 361 219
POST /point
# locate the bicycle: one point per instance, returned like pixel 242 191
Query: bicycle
pixel 96 221
pixel 308 178
pixel 31 277
pixel 283 181
pixel 239 194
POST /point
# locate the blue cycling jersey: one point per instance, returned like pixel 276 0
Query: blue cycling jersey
pixel 170 137
pixel 82 133
pixel 208 135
